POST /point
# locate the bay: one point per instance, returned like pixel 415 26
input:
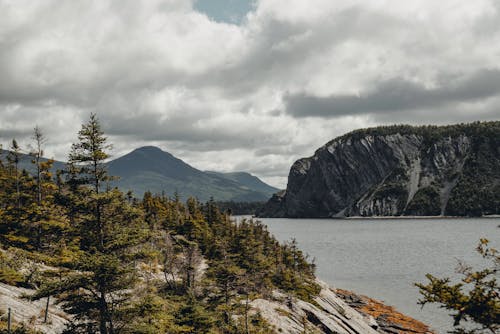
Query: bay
pixel 383 258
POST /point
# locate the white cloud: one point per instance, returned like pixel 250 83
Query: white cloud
pixel 214 94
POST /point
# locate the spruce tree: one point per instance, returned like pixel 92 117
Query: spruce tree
pixel 109 230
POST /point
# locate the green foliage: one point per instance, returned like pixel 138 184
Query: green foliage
pixel 425 202
pixel 430 133
pixel 476 298
pixel 478 188
pixel 19 330
pixel 240 208
pixel 9 271
pixel 477 184
pixel 124 265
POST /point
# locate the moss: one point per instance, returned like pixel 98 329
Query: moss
pixel 426 202
pixel 9 271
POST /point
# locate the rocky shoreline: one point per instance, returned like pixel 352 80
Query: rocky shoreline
pixel 332 311
pixel 335 311
pixel 388 318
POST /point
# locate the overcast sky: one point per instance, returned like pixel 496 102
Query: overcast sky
pixel 240 85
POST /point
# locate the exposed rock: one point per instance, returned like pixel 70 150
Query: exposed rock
pixel 388 319
pixel 31 313
pixel 333 313
pixel 394 171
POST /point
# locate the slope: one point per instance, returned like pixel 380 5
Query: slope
pixel 397 171
pixel 150 168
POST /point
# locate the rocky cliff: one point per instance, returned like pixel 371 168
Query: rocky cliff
pixel 396 171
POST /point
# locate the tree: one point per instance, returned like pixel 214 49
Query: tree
pixel 16 183
pixel 476 298
pixel 109 230
pixel 44 213
pixel 13 158
pixel 89 154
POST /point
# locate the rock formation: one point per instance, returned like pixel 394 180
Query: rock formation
pixel 331 312
pixel 397 170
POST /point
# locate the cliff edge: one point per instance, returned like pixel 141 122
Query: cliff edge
pixel 397 171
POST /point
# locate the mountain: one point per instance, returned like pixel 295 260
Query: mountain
pixel 248 180
pixel 25 162
pixel 397 171
pixel 150 168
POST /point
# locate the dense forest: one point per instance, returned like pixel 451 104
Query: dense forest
pixel 120 264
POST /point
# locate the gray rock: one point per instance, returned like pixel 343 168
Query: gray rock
pixel 391 171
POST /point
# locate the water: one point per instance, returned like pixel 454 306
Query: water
pixel 383 258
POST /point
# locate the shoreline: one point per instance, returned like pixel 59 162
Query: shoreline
pixel 377 217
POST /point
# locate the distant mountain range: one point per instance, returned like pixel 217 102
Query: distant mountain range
pixel 150 168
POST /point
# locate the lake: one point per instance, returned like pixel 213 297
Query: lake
pixel 383 258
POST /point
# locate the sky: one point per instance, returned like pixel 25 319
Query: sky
pixel 233 85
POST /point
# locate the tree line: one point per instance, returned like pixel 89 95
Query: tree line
pixel 120 264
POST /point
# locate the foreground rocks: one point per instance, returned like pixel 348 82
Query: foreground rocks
pixel 31 313
pixel 338 312
pixel 332 311
pixel 388 319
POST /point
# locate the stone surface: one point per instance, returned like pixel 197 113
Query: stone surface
pixel 31 313
pixel 333 313
pixel 386 173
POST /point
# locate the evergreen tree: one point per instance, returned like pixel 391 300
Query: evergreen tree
pixel 475 299
pixel 97 289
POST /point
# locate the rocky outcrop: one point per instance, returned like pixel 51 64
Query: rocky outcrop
pixel 332 311
pixel 394 171
pixel 31 313
pixel 329 313
pixel 387 318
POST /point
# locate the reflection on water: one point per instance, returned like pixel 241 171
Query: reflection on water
pixel 383 258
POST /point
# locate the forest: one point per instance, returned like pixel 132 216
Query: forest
pixel 120 264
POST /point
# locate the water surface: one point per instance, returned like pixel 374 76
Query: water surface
pixel 383 258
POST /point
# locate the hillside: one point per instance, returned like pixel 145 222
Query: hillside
pixel 397 171
pixel 248 180
pixel 150 168
pixel 25 162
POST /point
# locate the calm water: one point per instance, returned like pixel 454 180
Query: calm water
pixel 383 258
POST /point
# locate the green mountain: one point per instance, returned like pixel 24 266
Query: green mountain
pixel 248 180
pixel 25 162
pixel 150 168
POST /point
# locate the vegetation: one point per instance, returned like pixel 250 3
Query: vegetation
pixel 476 190
pixel 431 133
pixel 425 202
pixel 476 299
pixel 240 208
pixel 120 264
pixel 151 169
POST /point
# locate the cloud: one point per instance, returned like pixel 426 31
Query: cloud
pixel 398 95
pixel 252 94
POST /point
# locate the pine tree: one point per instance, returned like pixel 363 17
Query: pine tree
pixel 97 289
pixel 13 158
pixel 45 216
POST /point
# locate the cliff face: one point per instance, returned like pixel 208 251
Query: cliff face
pixel 398 170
